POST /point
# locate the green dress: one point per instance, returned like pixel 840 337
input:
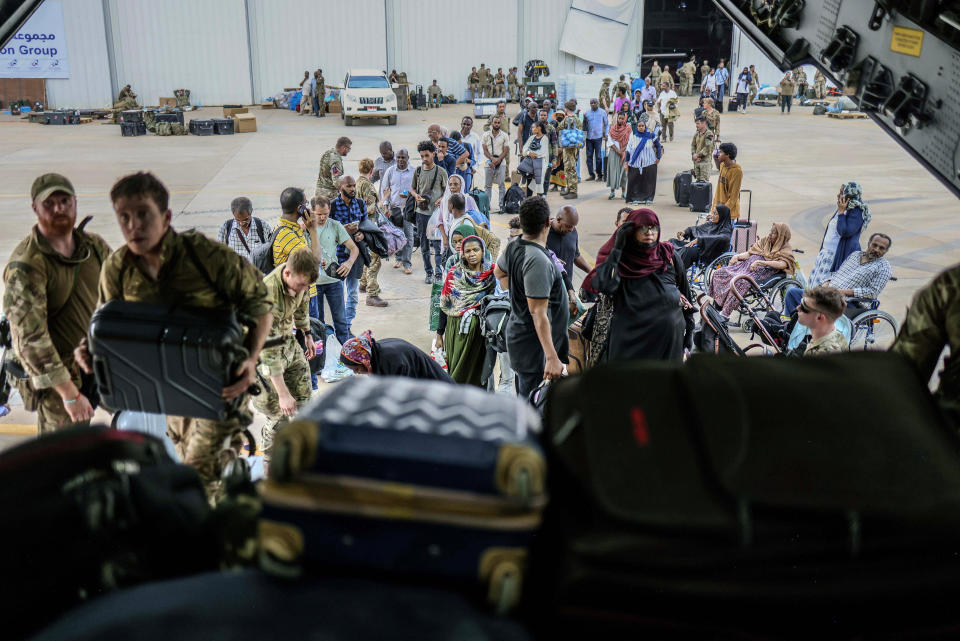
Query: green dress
pixel 465 352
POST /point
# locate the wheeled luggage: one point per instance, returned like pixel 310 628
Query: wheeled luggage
pixel 681 188
pixel 744 231
pixel 173 361
pixel 407 476
pixel 90 510
pixel 732 104
pixel 701 196
pixel 483 201
pixel 736 508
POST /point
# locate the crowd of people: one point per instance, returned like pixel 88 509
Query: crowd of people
pixel 636 302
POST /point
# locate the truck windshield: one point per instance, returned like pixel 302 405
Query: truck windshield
pixel 368 82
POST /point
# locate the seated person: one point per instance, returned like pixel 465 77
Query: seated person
pixel 770 256
pixel 389 357
pixel 819 308
pixel 707 241
pixel 863 275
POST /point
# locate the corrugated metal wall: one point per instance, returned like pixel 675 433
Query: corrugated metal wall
pixel 89 82
pixel 467 35
pixel 201 46
pixel 288 37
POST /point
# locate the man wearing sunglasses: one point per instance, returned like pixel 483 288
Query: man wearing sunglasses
pixel 818 310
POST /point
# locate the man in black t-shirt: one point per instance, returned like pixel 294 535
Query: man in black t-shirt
pixel 539 315
pixel 565 243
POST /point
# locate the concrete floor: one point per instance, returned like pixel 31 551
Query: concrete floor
pixel 793 163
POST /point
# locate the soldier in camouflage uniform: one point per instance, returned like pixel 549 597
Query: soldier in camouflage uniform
pixel 933 322
pixel 126 100
pixel 435 94
pixel 800 77
pixel 321 93
pixel 701 149
pixel 486 81
pixel 604 97
pixel 285 365
pixel 621 84
pixel 820 83
pixel 331 169
pixel 368 194
pixel 473 82
pixel 499 84
pixel 704 72
pixel 570 154
pixel 50 294
pixel 513 85
pixel 688 70
pixel 160 266
pixel 712 116
pixel 754 84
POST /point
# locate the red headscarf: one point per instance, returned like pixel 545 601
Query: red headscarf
pixel 635 262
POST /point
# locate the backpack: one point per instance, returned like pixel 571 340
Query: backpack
pixel 482 199
pixel 572 137
pixel 512 199
pixel 170 129
pixel 259 226
pixel 262 257
pixel 494 314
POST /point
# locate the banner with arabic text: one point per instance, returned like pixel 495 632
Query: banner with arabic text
pixel 39 50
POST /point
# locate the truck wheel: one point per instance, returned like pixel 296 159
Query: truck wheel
pixel 347 121
pixel 391 120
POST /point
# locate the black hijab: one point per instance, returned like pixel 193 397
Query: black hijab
pixel 714 237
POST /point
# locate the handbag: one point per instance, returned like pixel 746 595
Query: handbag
pixel 526 167
pixel 331 270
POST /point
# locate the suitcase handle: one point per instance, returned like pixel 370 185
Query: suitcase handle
pixel 102 376
pixel 749 202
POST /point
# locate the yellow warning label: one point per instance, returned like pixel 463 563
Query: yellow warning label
pixel 908 41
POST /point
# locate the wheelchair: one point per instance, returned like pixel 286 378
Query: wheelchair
pixel 773 290
pixel 873 330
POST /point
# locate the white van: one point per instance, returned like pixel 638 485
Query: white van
pixel 367 94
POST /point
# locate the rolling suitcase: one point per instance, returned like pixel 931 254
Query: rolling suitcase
pixel 701 196
pixel 200 127
pixel 483 201
pixel 223 126
pixel 732 104
pixel 681 188
pixel 155 359
pixel 744 231
pixel 670 505
pixel 410 477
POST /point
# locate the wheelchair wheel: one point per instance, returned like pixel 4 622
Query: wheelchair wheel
pixel 720 261
pixel 873 331
pixel 778 293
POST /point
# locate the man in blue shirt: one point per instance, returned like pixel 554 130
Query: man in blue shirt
pixel 444 158
pixel 723 77
pixel 348 210
pixel 596 123
pixel 455 149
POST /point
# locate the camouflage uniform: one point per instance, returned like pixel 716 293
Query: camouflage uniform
pixel 713 122
pixel 933 320
pixel 126 100
pixel 665 79
pixel 473 81
pixel 486 83
pixel 504 125
pixel 604 97
pixel 286 359
pixel 621 84
pixel 48 300
pixel 331 170
pixel 702 144
pixel 436 96
pixel 321 95
pixel 704 72
pixel 170 129
pixel 655 72
pixel 800 77
pixel 570 154
pixel 820 82
pixel 754 86
pixel 227 280
pixel 499 85
pixel 513 86
pixel 368 194
pixel 686 80
pixel 669 118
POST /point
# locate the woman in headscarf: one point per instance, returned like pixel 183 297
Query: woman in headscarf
pixel 466 284
pixel 454 186
pixel 707 241
pixel 842 235
pixel 617 154
pixel 768 257
pixel 389 357
pixel 643 153
pixel 743 83
pixel 652 317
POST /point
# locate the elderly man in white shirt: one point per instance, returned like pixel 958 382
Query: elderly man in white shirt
pixel 394 187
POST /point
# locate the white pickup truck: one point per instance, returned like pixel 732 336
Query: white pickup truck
pixel 367 94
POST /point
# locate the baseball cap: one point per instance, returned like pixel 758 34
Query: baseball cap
pixel 50 183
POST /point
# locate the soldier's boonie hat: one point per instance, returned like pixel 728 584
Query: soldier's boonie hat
pixel 48 184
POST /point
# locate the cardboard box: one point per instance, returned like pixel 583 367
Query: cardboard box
pixel 333 107
pixel 168 102
pixel 244 123
pixel 268 105
pixel 230 112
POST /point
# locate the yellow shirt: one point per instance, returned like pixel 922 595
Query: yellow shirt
pixel 289 239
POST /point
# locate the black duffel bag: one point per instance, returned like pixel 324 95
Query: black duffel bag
pixel 726 493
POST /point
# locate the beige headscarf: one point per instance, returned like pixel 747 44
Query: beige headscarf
pixel 776 250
